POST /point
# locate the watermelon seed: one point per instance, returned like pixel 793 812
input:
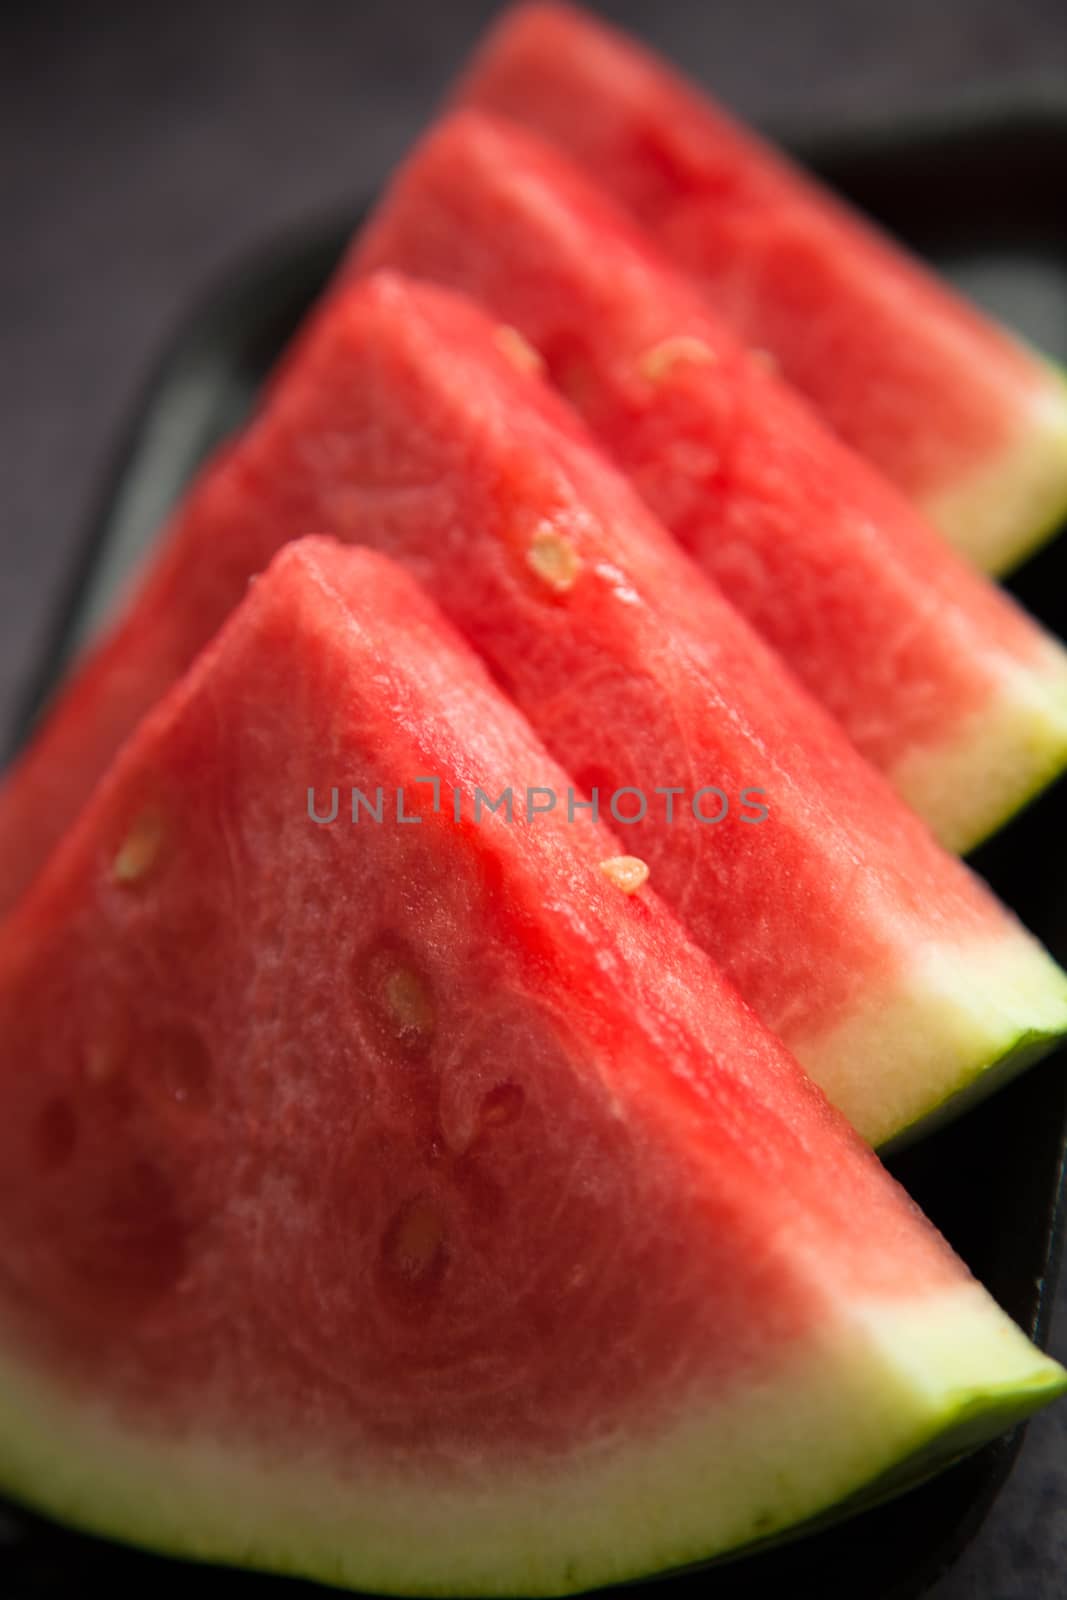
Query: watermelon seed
pixel 519 351
pixel 56 1135
pixel 413 1249
pixel 661 360
pixel 99 1064
pixel 139 849
pixel 627 873
pixel 502 1105
pixel 408 1004
pixel 102 1061
pixel 554 559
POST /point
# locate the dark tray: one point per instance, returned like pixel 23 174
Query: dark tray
pixel 970 191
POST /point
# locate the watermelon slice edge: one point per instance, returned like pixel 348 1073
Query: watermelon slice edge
pixel 551 1466
pixel 952 408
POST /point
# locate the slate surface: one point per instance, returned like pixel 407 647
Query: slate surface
pixel 143 148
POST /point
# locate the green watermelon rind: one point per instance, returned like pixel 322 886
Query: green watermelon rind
pixel 913 1391
pixel 961 1019
pixel 1006 756
pixel 1047 529
pixel 1001 555
pixel 1043 782
pixel 974 1427
pixel 1028 1049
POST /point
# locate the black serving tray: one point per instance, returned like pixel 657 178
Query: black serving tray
pixel 970 191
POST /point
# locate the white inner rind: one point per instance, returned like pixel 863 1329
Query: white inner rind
pixel 881 1384
pixel 998 514
pixel 1000 758
pixel 961 1018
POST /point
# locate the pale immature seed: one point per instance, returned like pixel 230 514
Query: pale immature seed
pixel 138 851
pixel 554 559
pixel 661 360
pixel 764 359
pixel 408 1003
pixel 519 351
pixel 101 1063
pixel 414 1242
pixel 627 873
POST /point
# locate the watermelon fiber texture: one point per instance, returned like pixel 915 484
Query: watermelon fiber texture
pixel 397 422
pixel 405 1205
pixel 963 418
pixel 938 677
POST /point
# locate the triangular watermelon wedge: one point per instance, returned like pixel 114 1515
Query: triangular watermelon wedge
pixel 968 422
pixel 938 678
pixel 891 972
pixel 402 1204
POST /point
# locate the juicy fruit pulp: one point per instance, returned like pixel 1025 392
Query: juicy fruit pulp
pixel 399 423
pixel 331 1158
pixel 967 422
pixel 938 678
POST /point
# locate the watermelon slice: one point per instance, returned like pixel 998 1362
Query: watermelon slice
pixel 398 422
pixel 970 424
pixel 402 1204
pixel 938 678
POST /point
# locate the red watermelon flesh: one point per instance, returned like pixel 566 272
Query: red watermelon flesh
pixel 894 975
pixel 960 416
pixel 400 1203
pixel 938 678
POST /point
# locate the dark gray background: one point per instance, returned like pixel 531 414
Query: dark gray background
pixel 144 147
